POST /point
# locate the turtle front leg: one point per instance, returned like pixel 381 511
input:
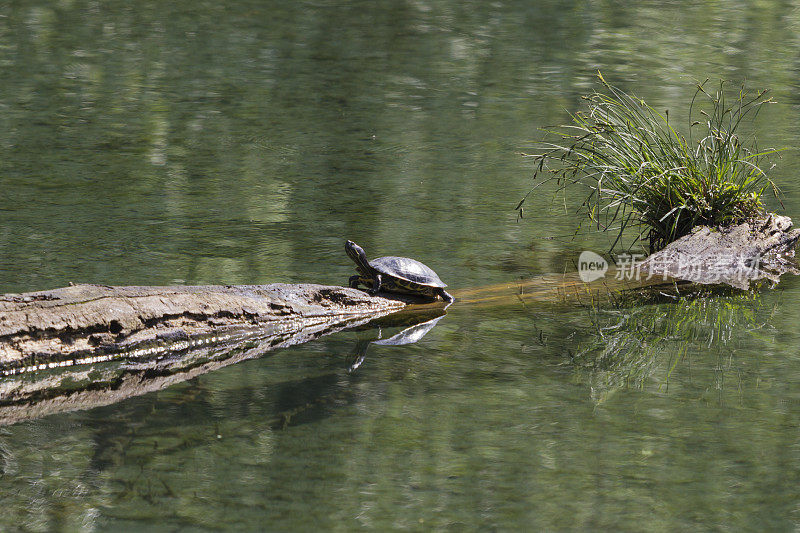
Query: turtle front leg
pixel 376 286
pixel 354 281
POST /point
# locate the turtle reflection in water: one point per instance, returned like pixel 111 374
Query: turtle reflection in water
pixel 395 274
pixel 315 396
pixel 419 324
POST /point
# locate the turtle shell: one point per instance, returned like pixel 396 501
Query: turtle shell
pixel 407 269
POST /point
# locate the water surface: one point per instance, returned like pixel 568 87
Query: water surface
pixel 198 143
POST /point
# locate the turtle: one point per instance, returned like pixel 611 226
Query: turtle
pixel 395 274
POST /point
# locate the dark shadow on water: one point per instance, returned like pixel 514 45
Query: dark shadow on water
pixel 309 400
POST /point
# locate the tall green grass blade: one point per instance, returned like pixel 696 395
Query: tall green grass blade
pixel 642 173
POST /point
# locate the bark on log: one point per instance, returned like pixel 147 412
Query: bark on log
pixel 29 396
pixel 737 255
pixel 66 326
pixel 168 335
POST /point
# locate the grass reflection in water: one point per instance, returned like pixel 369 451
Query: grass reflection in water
pixel 645 344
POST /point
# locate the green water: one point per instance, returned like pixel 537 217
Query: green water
pixel 193 142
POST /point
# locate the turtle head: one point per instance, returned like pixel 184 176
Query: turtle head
pixel 357 254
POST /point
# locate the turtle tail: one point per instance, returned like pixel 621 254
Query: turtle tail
pixel 447 297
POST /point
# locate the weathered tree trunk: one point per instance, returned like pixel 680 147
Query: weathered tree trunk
pixel 86 323
pixel 144 339
pixel 736 255
pixel 60 327
pixel 28 396
pixel 164 335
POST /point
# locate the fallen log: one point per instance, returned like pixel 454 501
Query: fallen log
pixel 709 259
pixel 90 323
pixel 116 376
pixel 35 395
pixel 737 255
pixel 86 323
pixel 147 338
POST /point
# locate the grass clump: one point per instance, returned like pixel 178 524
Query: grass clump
pixel 641 174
